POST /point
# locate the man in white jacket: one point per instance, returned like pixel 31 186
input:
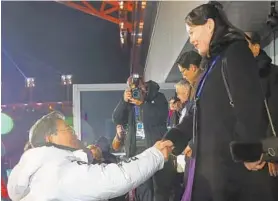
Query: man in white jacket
pixel 52 170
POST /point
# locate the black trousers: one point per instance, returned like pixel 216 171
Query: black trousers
pixel 160 187
pixel 164 182
pixel 145 191
pixel 274 185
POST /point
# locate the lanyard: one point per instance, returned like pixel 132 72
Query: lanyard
pixel 170 114
pixel 137 113
pixel 203 80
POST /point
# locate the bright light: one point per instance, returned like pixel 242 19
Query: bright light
pixel 144 3
pixel 139 41
pixel 141 25
pixel 122 25
pixel 121 3
pixel 7 124
pixel 66 79
pixel 69 77
pixel 135 76
pixel 30 82
pixel 122 41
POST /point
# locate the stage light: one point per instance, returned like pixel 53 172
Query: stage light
pixel 66 79
pixel 141 25
pixel 30 82
pixel 121 4
pixel 122 25
pixel 122 40
pixel 144 4
pixel 7 124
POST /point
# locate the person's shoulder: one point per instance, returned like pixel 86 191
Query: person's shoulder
pixel 274 69
pixel 274 74
pixel 161 97
pixel 33 153
pixel 239 52
pixel 238 47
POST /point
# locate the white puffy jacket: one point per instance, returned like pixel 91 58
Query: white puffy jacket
pixel 52 174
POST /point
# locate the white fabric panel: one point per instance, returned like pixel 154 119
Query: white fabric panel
pixel 270 51
pixel 168 38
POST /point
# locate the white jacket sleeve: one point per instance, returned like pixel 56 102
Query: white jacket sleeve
pixel 100 182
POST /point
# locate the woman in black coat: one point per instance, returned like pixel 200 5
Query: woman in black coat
pixel 218 119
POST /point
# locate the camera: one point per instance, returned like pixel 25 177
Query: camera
pixel 134 85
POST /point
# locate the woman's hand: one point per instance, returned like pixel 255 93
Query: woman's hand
pixel 273 169
pixel 188 151
pixel 255 166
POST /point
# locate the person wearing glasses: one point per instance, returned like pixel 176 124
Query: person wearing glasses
pixel 55 168
pixel 227 106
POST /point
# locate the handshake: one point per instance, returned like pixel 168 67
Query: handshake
pixel 165 147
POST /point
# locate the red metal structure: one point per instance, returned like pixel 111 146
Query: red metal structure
pixel 129 15
pixel 112 11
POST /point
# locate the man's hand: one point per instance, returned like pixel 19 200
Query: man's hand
pixel 165 147
pixel 135 101
pixel 188 151
pixel 254 166
pixel 273 169
pixel 96 152
pixel 127 95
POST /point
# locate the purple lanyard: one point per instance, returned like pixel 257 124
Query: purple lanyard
pixel 203 80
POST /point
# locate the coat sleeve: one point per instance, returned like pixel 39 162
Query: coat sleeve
pixel 120 114
pixel 244 83
pixel 181 134
pixel 81 181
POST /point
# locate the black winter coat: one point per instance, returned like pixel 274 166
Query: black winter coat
pixel 269 79
pixel 217 177
pixel 155 114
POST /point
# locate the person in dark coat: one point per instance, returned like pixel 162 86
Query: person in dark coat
pixel 190 68
pixel 268 73
pixel 174 111
pixel 183 91
pixel 219 115
pixel 150 112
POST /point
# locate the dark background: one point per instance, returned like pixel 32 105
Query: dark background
pixel 47 39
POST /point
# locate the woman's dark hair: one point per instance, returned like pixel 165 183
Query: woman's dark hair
pixel 223 27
